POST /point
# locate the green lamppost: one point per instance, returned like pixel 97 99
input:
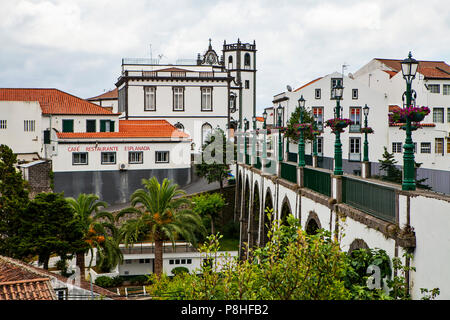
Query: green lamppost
pixel 264 150
pixel 337 92
pixel 245 139
pixel 301 141
pixel 254 140
pixel 366 143
pixel 280 144
pixel 409 69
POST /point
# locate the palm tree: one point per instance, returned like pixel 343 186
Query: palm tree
pixel 97 227
pixel 159 216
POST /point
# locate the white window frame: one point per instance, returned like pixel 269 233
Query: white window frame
pixel 441 141
pixel 397 147
pixel 178 98
pixel 78 162
pixel 354 152
pixel 438 115
pixel 446 89
pixel 206 98
pixel 425 147
pixel 29 125
pixel 162 156
pixel 431 88
pixel 108 162
pixel 149 98
pixel 135 157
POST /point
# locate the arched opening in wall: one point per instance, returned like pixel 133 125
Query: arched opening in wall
pixel 285 211
pixel 266 223
pixel 247 61
pixel 312 223
pixel 244 220
pixel 254 218
pixel 206 131
pixel 356 245
pixel 230 62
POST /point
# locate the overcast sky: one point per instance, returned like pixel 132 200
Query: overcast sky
pixel 77 46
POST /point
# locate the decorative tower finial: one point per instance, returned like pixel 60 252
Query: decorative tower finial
pixel 210 47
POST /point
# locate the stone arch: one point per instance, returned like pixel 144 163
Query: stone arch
pixel 244 218
pixel 238 201
pixel 265 222
pixel 206 131
pixel 285 210
pixel 312 224
pixel 357 244
pixel 254 217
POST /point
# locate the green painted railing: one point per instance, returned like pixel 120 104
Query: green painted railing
pixel 247 159
pixel 374 199
pixel 318 181
pixel 292 157
pixel 289 172
pixel 258 163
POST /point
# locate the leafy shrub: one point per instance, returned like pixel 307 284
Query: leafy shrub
pixel 179 270
pixel 104 282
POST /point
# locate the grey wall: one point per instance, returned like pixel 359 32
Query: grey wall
pixel 114 186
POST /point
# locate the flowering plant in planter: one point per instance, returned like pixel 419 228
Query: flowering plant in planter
pixel 367 130
pixel 338 124
pixel 414 126
pixel 316 132
pixel 415 114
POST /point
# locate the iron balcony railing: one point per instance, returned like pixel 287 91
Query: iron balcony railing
pixel 318 181
pixel 138 249
pixel 289 172
pixel 374 199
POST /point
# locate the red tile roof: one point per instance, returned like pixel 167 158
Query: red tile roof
pixel 132 129
pixel 112 94
pixel 311 82
pixel 34 289
pixel 53 101
pixel 430 69
pixel 15 272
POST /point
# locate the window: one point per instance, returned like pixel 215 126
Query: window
pixel 106 126
pixel 46 136
pixel 247 84
pixel 162 157
pixel 206 99
pixel 425 147
pixel 318 117
pixel 439 146
pixel 3 124
pixel 355 149
pixel 355 116
pixel 79 158
pixel 90 125
pixel 61 293
pixel 354 93
pixel 108 157
pixel 319 146
pixel 396 147
pixel 206 130
pixel 178 99
pixel 448 146
pixel 67 125
pixel 317 93
pixel 415 147
pixel 230 62
pixel 189 261
pixel 446 89
pixel 128 261
pixel 171 261
pixel 247 61
pixel 149 98
pixel 448 115
pixel 135 157
pixel 183 261
pixel 335 82
pixel 434 88
pixel 29 125
pixel 177 261
pixel 438 115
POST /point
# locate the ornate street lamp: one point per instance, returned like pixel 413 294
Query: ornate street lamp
pixel 409 69
pixel 254 139
pixel 337 93
pixel 366 143
pixel 301 142
pixel 264 151
pixel 280 144
pixel 246 123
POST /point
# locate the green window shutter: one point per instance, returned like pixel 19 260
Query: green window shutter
pixel 90 126
pixel 103 125
pixel 111 123
pixel 67 125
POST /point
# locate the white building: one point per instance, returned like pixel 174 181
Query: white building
pixel 91 150
pixel 380 85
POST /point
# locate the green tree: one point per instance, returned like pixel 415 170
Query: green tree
pixel 217 152
pixel 97 227
pixel 209 205
pixel 291 131
pixel 48 227
pixel 13 202
pixel 160 213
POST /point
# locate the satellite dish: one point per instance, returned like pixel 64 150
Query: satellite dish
pixel 289 88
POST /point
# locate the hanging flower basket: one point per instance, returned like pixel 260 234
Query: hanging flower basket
pixel 338 124
pixel 414 126
pixel 367 130
pixel 316 132
pixel 415 114
pixel 303 127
